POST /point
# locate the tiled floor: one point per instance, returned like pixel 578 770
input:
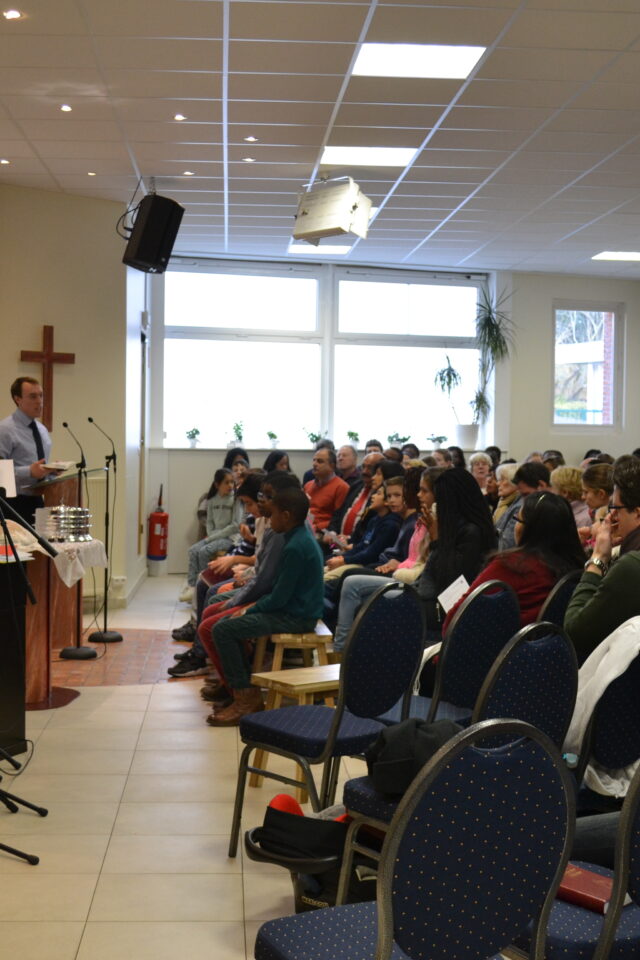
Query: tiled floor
pixel 133 861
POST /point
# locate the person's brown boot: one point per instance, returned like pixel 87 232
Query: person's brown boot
pixel 248 700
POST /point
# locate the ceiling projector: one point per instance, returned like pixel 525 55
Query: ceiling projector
pixel 331 209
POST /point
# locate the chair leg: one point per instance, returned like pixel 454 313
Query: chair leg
pixel 239 801
pixel 329 781
pixel 347 863
pixel 304 765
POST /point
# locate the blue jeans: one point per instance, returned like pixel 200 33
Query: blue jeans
pixel 355 590
pixel 200 553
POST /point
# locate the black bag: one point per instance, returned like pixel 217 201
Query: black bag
pixel 289 835
pixel 402 750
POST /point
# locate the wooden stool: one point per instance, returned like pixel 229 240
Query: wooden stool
pixel 300 684
pixel 307 642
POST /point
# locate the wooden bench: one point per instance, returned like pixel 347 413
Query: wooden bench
pixel 301 684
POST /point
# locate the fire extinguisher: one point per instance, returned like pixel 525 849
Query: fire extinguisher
pixel 158 532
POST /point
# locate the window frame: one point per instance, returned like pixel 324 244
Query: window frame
pixel 326 334
pixel 618 309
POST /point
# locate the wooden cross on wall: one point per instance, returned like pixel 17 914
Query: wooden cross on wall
pixel 47 358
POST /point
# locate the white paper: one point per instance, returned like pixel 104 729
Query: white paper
pixel 8 477
pixel 449 597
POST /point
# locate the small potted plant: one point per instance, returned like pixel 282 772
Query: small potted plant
pixel 315 437
pixel 273 437
pixel 395 440
pixel 237 431
pixel 353 437
pixel 437 441
pixel 192 436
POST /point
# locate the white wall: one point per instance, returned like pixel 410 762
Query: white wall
pixel 526 418
pixel 60 264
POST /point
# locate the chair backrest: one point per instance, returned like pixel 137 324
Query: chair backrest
pixel 555 606
pixel 477 846
pixel 485 621
pixel 535 679
pixel 383 651
pixel 615 728
pixel 626 867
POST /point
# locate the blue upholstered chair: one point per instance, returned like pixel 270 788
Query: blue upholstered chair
pixel 475 851
pixel 378 667
pixel 535 679
pixel 612 739
pixel 555 606
pixel 484 622
pixel 575 933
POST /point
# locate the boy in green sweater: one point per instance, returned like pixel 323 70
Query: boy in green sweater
pixel 293 606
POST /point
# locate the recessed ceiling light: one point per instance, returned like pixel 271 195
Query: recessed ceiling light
pixel 426 61
pixel 335 249
pixel 5 162
pixel 248 159
pixel 188 173
pixel 617 255
pixel 179 116
pixel 90 173
pixel 250 139
pixel 369 156
pixel 12 14
pixel 65 108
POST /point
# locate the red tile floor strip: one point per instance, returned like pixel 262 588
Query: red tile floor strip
pixel 143 657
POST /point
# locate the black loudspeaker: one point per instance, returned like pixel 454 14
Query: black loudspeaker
pixel 153 235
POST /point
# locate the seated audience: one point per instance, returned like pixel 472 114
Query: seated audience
pixel 443 458
pixel 385 469
pixel 393 453
pixel 609 592
pixel 547 547
pixel 373 446
pixel 597 487
pixel 495 453
pixel 347 460
pixel 534 457
pixel 326 491
pixel 457 457
pixel 324 444
pixel 239 471
pixel 553 459
pixel 236 453
pixel 378 528
pixel 461 534
pixel 223 524
pixel 528 478
pixel 567 483
pixel 508 493
pixel 344 521
pixel 480 465
pixel 293 605
pixel 409 452
pixel 276 460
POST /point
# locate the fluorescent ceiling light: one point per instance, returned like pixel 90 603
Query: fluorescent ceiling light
pixel 12 14
pixel 90 173
pixel 250 139
pixel 369 156
pixel 334 249
pixel 5 162
pixel 179 116
pixel 65 108
pixel 617 255
pixel 427 61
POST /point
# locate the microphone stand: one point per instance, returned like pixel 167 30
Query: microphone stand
pixel 77 653
pixel 10 800
pixel 105 635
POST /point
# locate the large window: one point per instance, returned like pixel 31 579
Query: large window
pixel 294 349
pixel 586 346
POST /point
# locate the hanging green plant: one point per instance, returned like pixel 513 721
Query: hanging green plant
pixel 495 338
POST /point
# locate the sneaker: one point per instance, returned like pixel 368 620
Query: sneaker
pixel 186 633
pixel 183 655
pixel 187 594
pixel 189 667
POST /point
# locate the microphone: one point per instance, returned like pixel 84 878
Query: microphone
pixel 113 449
pixel 83 462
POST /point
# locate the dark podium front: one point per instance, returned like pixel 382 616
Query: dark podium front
pixel 12 659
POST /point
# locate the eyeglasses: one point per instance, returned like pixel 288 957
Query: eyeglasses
pixel 614 507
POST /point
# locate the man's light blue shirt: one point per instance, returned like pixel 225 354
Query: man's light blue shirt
pixel 17 443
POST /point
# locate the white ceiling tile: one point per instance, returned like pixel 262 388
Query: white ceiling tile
pixel 76 149
pixel 375 90
pixel 44 51
pixel 297 21
pixel 518 93
pixel 251 111
pixel 273 86
pixel 601 30
pixel 186 18
pixel 139 53
pixel 539 64
pixel 43 82
pixel 250 56
pixel 179 85
pixel 65 129
pixel 149 110
pixel 388 115
pixel 48 108
pixel 436 24
pixel 64 17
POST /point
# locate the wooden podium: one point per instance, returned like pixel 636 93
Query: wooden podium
pixel 55 621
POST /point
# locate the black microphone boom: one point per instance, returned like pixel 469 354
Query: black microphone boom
pixel 104 434
pixel 83 463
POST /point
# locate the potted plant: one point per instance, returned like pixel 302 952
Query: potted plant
pixel 494 335
pixel 192 436
pixel 273 437
pixel 237 431
pixel 315 437
pixel 437 441
pixel 396 440
pixel 353 437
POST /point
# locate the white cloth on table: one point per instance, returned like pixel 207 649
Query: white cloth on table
pixel 74 558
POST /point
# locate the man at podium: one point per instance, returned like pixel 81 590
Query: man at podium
pixel 26 441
